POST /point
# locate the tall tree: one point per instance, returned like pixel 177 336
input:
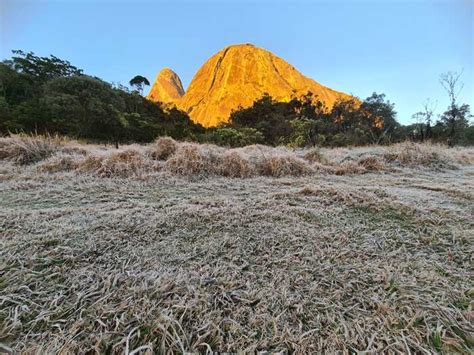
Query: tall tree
pixel 139 82
pixel 381 116
pixel 453 86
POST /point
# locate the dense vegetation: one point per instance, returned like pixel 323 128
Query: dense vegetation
pixel 47 94
pixel 50 95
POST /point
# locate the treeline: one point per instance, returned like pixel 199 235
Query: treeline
pixel 306 121
pixel 50 95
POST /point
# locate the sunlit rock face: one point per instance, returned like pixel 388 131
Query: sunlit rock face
pixel 167 87
pixel 237 76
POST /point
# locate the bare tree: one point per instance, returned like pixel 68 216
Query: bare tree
pixel 452 85
pixel 423 119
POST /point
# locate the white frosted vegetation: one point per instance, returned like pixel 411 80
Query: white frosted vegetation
pixel 196 248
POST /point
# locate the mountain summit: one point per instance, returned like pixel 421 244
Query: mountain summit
pixel 167 87
pixel 237 76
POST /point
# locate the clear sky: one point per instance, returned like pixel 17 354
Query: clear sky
pixel 394 47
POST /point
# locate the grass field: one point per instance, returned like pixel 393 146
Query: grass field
pixel 178 247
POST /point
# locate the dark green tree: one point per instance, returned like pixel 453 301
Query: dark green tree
pixel 379 118
pixel 139 82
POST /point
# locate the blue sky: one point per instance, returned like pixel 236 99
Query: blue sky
pixel 394 47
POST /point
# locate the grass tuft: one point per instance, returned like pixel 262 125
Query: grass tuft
pixel 285 165
pixel 24 149
pixel 163 148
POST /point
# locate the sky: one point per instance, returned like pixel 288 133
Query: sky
pixel 396 47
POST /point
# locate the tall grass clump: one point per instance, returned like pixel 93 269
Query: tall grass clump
pixel 162 148
pixel 372 163
pixel 23 149
pixel 60 162
pixel 122 164
pixel 193 159
pixel 315 155
pixel 280 165
pixel 414 154
pixel 233 164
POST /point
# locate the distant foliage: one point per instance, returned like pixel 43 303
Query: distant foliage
pixel 49 95
pixel 307 122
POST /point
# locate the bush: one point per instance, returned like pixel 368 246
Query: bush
pixel 233 137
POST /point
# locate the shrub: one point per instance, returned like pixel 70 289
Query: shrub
pixel 233 137
pixel 163 148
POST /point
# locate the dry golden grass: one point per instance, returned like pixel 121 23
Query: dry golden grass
pixel 191 159
pixel 113 251
pixel 126 163
pixel 24 149
pixel 285 165
pixel 233 164
pixel 163 148
pixel 373 163
pixel 320 263
pixel 60 162
pixel 315 155
pixel 429 155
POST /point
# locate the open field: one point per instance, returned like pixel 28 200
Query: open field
pixel 189 248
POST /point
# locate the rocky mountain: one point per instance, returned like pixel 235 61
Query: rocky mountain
pixel 167 87
pixel 237 76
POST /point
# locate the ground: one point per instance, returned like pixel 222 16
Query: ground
pixel 377 261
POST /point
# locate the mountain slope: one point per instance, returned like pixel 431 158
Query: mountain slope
pixel 240 74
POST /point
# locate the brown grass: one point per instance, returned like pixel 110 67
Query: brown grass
pixel 427 155
pixel 372 163
pixel 60 162
pixel 320 263
pixel 232 164
pixel 315 155
pixel 23 149
pixel 191 159
pixel 285 165
pixel 122 164
pixel 55 154
pixel 163 148
pixel 348 167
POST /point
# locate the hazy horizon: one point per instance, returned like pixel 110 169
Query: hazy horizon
pixel 398 48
